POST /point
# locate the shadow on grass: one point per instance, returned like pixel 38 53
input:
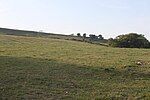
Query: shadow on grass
pixel 35 78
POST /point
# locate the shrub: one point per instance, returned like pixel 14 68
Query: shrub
pixel 131 40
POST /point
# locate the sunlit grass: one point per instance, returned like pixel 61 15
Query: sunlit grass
pixel 43 68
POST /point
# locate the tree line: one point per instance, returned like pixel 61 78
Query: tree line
pixel 91 37
pixel 131 40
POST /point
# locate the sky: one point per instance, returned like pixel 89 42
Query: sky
pixel 107 17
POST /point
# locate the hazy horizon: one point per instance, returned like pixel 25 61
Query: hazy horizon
pixel 107 17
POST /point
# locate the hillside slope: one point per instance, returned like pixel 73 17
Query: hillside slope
pixel 16 32
pixel 42 68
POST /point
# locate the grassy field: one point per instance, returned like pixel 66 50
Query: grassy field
pixel 43 68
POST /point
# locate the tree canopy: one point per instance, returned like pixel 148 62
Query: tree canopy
pixel 131 40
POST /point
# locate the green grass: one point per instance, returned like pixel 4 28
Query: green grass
pixel 42 68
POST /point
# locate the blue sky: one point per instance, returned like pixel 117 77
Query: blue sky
pixel 107 17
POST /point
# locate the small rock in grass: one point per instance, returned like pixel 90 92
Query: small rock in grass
pixel 66 92
pixel 139 63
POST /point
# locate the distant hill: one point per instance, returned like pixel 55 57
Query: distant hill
pixel 16 32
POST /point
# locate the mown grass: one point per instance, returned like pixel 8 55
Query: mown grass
pixel 42 68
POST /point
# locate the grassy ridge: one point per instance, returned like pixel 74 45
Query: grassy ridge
pixel 40 68
pixel 15 32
